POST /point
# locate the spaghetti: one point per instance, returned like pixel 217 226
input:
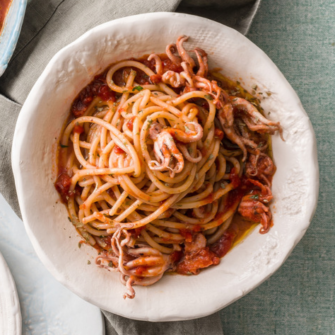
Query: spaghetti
pixel 156 159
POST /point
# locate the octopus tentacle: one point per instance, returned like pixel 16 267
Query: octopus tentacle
pixel 182 52
pixel 190 136
pixel 170 50
pixel 259 121
pixel 165 148
pixel 173 78
pixel 202 60
pixel 130 293
pixel 187 73
pixel 158 63
pixel 203 83
pixel 226 119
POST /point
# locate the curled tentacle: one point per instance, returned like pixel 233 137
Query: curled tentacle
pixel 260 166
pixel 165 148
pixel 221 98
pixel 256 121
pixel 183 53
pixel 170 50
pixel 166 151
pixel 202 60
pixel 158 63
pixel 130 293
pixel 147 267
pixel 226 118
pixel 203 83
pixel 107 261
pixel 190 135
pixel 187 73
pixel 173 78
pixel 256 211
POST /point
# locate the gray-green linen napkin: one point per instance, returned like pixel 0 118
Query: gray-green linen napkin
pixel 49 25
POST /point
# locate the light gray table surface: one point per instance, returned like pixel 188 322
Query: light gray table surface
pixel 299 36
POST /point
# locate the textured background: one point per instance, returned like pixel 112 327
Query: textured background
pixel 299 36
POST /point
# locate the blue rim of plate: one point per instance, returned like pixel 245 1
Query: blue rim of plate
pixel 11 32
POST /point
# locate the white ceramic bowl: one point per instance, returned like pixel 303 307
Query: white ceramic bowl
pixel 295 185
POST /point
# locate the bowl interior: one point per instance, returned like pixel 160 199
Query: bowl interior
pixel 295 185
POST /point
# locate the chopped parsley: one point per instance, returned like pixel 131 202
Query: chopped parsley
pixel 137 88
pixel 254 196
pixel 79 245
pixel 223 185
pixel 64 146
pixel 208 97
pixel 110 264
pixel 88 262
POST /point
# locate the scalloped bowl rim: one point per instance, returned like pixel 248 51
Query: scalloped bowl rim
pixel 274 248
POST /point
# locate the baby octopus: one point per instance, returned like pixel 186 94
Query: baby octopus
pixel 165 147
pixel 253 208
pixel 141 266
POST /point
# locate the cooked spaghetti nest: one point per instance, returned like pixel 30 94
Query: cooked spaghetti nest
pixel 144 162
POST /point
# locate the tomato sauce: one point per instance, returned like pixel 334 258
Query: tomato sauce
pixel 193 263
pixel 4 7
pixel 62 186
pixel 118 150
pixel 97 88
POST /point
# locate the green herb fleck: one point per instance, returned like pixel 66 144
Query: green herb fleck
pixel 110 264
pixel 208 97
pixel 254 87
pixel 210 157
pixel 88 262
pixel 69 219
pixel 79 245
pixel 137 88
pixel 223 185
pixel 64 146
pixel 254 196
pixel 269 93
pixel 237 82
